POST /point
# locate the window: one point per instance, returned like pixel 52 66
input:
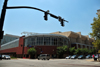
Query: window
pixel 46 40
pixel 65 41
pixel 60 41
pixel 54 41
pixel 39 40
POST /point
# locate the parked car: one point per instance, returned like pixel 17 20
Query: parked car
pixel 0 57
pixel 81 57
pixel 68 57
pixel 96 56
pixel 88 56
pixel 44 57
pixel 5 57
pixel 74 57
pixel 91 56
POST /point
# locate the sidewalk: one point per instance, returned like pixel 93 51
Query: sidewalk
pixel 92 60
pixel 89 59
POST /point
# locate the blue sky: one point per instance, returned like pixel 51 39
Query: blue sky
pixel 79 13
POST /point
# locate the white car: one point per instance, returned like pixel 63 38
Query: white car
pixel 74 57
pixel 5 57
pixel 88 56
pixel 68 57
pixel 96 56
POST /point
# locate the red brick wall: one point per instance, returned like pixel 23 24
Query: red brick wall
pixel 9 50
pixel 20 47
pixel 45 49
pixel 17 50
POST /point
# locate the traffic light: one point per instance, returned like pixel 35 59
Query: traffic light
pixel 61 21
pixel 45 16
pixel 59 18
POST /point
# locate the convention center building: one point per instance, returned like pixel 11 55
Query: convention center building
pixel 43 43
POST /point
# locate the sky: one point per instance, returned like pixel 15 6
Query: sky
pixel 78 13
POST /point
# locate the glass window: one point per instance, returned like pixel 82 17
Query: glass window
pixel 54 41
pixel 46 40
pixel 65 41
pixel 39 40
pixel 60 41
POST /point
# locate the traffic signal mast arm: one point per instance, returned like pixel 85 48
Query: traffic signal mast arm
pixel 45 13
pixel 57 17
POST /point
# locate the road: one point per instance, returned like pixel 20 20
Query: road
pixel 48 63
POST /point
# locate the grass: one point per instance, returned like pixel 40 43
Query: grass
pixel 13 57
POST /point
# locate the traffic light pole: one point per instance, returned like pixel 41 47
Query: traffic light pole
pixel 4 12
pixel 2 19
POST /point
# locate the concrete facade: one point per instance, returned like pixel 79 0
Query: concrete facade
pixel 98 12
pixel 77 40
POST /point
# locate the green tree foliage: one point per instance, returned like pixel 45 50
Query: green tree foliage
pixel 72 50
pixel 96 32
pixel 90 52
pixel 31 51
pixel 61 51
pixel 78 51
pixel 85 51
pixel 94 51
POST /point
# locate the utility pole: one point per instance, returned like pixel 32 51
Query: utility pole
pixel 2 19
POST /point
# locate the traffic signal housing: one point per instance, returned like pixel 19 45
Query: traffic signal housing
pixel 45 16
pixel 62 23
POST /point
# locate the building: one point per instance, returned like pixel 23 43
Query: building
pixel 98 12
pixel 8 37
pixel 46 43
pixel 77 40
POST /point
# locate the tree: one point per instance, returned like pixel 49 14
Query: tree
pixel 90 52
pixel 32 52
pixel 85 51
pixel 78 51
pixel 61 51
pixel 96 31
pixel 94 51
pixel 72 50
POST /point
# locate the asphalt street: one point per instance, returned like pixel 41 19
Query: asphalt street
pixel 48 63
